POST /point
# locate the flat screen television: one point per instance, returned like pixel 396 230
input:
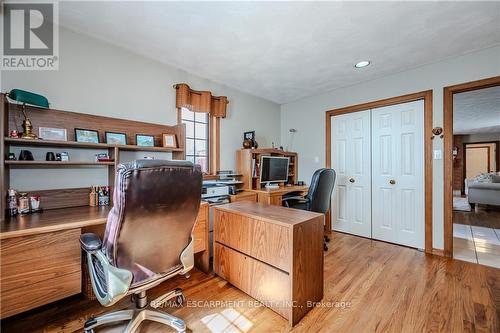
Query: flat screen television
pixel 273 169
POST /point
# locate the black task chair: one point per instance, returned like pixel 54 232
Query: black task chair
pixel 318 197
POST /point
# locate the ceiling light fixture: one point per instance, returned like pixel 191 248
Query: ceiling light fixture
pixel 362 64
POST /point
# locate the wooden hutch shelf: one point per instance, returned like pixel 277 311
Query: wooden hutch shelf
pixel 73 197
pixel 85 145
pixel 55 164
pixel 248 164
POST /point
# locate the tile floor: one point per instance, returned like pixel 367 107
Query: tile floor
pixel 476 244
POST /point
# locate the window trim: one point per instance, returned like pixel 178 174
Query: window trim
pixel 213 143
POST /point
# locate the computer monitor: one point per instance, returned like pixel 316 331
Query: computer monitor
pixel 273 169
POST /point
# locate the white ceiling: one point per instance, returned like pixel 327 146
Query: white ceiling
pixel 477 111
pixel 284 51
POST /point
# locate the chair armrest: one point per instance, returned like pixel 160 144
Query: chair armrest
pixel 90 242
pixel 288 200
pixel 298 198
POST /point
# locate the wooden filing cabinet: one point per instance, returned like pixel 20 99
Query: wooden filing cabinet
pixel 272 253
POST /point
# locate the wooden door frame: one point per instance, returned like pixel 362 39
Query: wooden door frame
pixel 426 96
pixel 448 93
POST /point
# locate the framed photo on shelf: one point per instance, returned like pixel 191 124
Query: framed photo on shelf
pixel 55 134
pixel 169 141
pixel 86 135
pixel 144 140
pixel 114 138
pixel 249 135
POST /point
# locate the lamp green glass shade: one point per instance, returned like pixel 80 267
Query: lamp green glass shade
pixel 27 97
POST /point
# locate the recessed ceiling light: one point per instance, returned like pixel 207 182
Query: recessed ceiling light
pixel 362 64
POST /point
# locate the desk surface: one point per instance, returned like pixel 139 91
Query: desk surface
pixel 283 190
pixel 54 220
pixel 269 213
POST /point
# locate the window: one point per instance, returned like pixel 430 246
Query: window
pixel 197 137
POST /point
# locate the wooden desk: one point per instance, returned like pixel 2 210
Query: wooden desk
pixel 41 255
pixel 275 197
pixel 274 254
pixel 244 196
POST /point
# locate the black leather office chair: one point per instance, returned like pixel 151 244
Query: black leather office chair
pixel 318 197
pixel 147 240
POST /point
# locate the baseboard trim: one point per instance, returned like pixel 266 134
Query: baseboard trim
pixel 438 252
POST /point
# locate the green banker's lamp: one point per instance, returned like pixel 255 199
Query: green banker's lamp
pixel 26 97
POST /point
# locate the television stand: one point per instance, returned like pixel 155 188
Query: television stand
pixel 270 186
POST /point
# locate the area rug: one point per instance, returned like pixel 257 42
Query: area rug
pixel 461 204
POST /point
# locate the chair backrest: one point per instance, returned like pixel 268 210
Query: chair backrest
pixel 320 190
pixel 155 205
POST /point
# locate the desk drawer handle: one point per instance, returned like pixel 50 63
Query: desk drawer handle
pixel 392 182
pixel 352 180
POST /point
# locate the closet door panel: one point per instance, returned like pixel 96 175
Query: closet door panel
pixel 340 160
pixel 351 202
pixel 360 172
pixel 383 171
pixel 397 175
pixel 410 182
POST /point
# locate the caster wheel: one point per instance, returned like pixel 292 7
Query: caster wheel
pixel 327 239
pixel 180 299
pixel 325 247
pixel 89 331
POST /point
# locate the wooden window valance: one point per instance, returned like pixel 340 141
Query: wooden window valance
pixel 200 101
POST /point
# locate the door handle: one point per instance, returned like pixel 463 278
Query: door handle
pixel 352 180
pixel 392 182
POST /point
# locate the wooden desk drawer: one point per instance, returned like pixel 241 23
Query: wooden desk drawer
pixel 37 270
pixel 263 282
pixel 262 240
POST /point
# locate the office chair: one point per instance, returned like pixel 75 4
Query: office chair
pixel 147 239
pixel 318 197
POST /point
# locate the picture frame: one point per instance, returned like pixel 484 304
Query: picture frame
pixel 250 135
pixel 54 134
pixel 169 140
pixel 86 135
pixel 115 138
pixel 145 140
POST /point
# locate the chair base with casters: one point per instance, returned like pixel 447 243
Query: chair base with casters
pixel 141 313
pixel 110 284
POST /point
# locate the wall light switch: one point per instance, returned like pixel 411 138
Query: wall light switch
pixel 316 159
pixel 438 154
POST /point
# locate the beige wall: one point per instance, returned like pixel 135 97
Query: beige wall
pixel 308 115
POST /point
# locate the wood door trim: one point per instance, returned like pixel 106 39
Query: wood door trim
pixel 426 96
pixel 448 93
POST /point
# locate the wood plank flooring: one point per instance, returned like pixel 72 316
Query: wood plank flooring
pixel 386 288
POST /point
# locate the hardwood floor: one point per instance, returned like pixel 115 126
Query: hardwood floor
pixel 386 288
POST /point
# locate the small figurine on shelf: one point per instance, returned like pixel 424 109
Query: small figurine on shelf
pixel 12 203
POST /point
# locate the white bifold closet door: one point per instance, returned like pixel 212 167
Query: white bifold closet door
pixel 398 174
pixel 351 159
